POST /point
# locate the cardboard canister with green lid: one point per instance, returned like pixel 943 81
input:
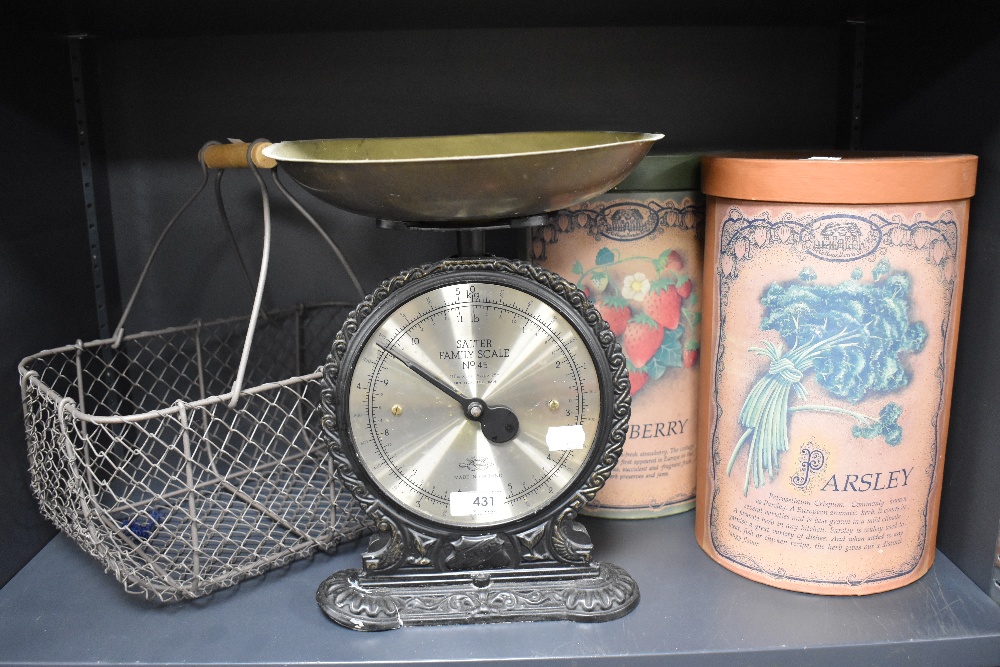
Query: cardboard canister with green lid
pixel 637 253
pixel 833 286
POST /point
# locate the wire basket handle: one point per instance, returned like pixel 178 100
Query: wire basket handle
pixel 224 156
pixel 237 155
pixel 120 327
pixel 326 237
pixel 261 280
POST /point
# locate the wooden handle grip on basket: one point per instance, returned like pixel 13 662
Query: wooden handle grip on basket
pixel 234 156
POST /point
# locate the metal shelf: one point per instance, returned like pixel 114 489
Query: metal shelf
pixel 61 609
pixel 522 64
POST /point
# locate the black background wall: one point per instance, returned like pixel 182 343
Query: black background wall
pixel 46 286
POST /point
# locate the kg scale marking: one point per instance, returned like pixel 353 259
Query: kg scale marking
pixel 473 406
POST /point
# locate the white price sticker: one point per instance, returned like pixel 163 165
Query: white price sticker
pixel 473 503
pixel 562 438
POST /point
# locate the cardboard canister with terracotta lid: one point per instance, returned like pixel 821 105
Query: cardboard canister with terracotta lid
pixel 832 291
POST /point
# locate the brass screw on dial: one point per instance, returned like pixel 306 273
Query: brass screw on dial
pixel 397 410
pixel 553 405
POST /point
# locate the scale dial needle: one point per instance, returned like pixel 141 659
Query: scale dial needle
pixel 498 423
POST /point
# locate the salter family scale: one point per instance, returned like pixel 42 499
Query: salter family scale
pixel 472 405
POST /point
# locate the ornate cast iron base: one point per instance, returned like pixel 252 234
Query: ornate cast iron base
pixel 587 593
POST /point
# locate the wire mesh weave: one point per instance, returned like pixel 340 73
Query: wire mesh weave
pixel 135 454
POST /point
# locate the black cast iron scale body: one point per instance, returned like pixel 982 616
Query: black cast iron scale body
pixel 473 472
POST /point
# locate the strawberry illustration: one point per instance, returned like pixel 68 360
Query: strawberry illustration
pixel 615 311
pixel 684 289
pixel 675 262
pixel 637 380
pixel 663 304
pixel 690 355
pixel 641 339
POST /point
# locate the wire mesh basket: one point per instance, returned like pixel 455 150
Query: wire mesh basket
pixel 143 451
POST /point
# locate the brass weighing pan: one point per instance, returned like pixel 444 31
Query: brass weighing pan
pixel 459 178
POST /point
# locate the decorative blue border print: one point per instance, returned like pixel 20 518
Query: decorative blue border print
pixel 834 237
pixel 623 217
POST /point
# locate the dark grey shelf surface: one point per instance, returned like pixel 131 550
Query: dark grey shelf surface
pixel 62 609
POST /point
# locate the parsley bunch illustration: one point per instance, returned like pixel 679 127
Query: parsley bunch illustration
pixel 850 336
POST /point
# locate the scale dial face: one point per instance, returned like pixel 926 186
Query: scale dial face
pixel 473 401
